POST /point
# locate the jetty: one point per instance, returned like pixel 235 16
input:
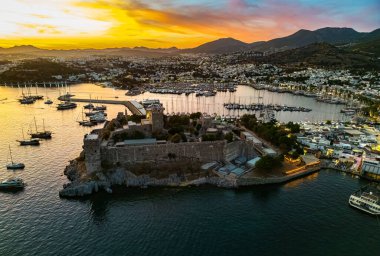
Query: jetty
pixel 133 106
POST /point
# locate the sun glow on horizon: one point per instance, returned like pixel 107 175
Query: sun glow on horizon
pixel 69 24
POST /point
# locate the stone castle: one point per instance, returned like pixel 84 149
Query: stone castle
pixel 98 151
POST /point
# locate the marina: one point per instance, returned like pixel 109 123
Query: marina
pixel 261 107
pixel 324 196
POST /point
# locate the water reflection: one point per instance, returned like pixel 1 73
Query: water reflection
pixel 99 207
pixel 261 193
pixel 297 182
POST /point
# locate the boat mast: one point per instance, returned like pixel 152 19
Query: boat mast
pixel 10 153
pixel 35 124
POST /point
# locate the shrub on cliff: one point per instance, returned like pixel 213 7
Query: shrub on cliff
pixel 178 120
pixel 229 137
pixel 268 163
pixel 209 137
pixel 176 138
pixel 134 135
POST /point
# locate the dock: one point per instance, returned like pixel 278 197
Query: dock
pixel 133 106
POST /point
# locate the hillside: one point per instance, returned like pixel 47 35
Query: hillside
pixel 370 44
pixel 305 37
pixel 223 45
pixel 323 55
pixel 37 70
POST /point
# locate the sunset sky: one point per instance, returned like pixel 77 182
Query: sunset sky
pixel 68 24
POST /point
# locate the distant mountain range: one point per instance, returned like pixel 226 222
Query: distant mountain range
pixel 323 55
pixel 358 41
pixel 335 36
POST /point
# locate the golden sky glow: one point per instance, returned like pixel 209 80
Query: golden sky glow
pixel 68 24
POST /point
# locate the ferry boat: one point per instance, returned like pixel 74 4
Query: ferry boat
pixel 12 184
pixel 365 200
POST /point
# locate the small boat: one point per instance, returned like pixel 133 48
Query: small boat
pixel 48 102
pixel 98 108
pixel 41 135
pixel 86 122
pixel 13 165
pixel 88 106
pixel 98 118
pixel 31 142
pixel 37 97
pixel 367 200
pixel 12 184
pixel 27 100
pixel 95 113
pixel 66 105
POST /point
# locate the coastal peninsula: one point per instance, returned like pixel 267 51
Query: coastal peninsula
pixel 186 150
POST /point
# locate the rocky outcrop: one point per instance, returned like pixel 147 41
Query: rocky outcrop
pixel 71 171
pixel 84 186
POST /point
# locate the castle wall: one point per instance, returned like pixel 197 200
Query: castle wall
pixel 233 150
pixel 202 151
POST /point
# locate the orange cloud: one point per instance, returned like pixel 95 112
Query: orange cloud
pixel 159 23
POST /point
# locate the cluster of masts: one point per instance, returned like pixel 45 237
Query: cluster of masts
pixel 28 98
pixel 33 140
pixel 261 107
pixel 94 116
pixel 35 137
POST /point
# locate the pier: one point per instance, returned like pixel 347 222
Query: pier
pixel 133 106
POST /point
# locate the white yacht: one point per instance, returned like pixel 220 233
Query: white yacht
pixel 366 201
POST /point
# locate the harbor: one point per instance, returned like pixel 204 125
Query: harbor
pixel 323 194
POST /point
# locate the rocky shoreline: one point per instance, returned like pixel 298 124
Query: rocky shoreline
pixel 81 185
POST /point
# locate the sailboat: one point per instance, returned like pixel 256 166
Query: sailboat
pixel 13 165
pixel 31 142
pixel 41 135
pixel 86 122
pixel 48 101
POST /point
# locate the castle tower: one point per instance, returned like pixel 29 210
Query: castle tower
pixel 155 114
pixel 91 146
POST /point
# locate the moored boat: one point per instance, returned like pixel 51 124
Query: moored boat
pixel 41 134
pixel 88 106
pixel 12 184
pixel 12 165
pixel 66 105
pixel 30 142
pixel 99 108
pixel 366 200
